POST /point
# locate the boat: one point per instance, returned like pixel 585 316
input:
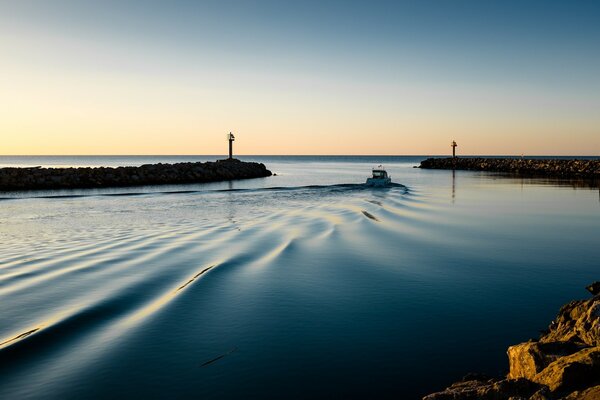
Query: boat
pixel 380 177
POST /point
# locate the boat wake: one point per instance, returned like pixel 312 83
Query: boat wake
pixel 107 274
pixel 83 193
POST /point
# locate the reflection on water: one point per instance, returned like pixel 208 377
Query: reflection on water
pixel 453 185
pixel 295 284
pixel 568 182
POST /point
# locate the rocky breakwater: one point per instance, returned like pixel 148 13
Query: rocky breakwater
pixel 564 363
pixel 552 167
pixel 151 174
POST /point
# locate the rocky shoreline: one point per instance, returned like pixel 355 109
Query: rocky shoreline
pixel 550 167
pixel 564 363
pixel 38 178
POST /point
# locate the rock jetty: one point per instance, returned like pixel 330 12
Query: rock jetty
pixel 564 363
pixel 38 178
pixel 551 167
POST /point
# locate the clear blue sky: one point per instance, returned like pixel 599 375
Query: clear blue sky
pixel 122 77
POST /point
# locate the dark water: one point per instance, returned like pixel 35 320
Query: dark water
pixel 302 285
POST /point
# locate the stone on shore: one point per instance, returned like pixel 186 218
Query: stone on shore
pixel 588 394
pixel 564 363
pixel 578 322
pixel 594 288
pixel 528 359
pixel 492 389
pixel 573 372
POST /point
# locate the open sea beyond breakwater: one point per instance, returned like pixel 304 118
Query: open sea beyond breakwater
pixel 302 285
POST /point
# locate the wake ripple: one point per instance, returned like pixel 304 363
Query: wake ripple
pixel 108 290
pixel 337 188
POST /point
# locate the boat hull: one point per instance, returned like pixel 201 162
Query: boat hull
pixel 378 182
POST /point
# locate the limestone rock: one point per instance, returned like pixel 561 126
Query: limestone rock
pixel 488 390
pixel 542 394
pixel 577 321
pixel 573 372
pixel 592 393
pixel 594 288
pixel 564 364
pixel 529 358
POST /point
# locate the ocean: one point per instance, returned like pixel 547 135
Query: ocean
pixel 306 284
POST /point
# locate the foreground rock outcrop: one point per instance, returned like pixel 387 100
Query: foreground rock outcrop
pixel 150 174
pixel 564 363
pixel 555 168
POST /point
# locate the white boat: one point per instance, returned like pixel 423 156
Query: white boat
pixel 380 177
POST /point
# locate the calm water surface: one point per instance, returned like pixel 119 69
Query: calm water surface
pixel 302 285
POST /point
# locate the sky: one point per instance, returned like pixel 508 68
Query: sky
pixel 306 77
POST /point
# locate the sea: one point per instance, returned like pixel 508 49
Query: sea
pixel 303 285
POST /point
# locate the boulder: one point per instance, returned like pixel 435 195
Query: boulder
pixel 592 393
pixel 564 363
pixel 573 372
pixel 577 321
pixel 594 288
pixel 492 389
pixel 528 359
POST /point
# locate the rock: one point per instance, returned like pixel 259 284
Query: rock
pixel 487 390
pixel 528 359
pixel 577 321
pixel 553 167
pixel 592 393
pixel 67 178
pixel 542 394
pixel 573 372
pixel 594 288
pixel 563 364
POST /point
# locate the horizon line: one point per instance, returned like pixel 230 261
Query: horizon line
pixel 299 155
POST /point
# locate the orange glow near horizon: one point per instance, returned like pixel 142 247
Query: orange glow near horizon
pixel 104 93
pixel 74 115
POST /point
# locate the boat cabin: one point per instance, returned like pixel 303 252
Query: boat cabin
pixel 380 177
pixel 380 174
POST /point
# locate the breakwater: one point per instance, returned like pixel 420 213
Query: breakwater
pixel 564 363
pixel 38 178
pixel 548 167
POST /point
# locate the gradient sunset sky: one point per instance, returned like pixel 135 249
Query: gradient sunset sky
pixel 305 77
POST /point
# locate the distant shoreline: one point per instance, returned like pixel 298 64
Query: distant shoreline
pixel 550 167
pixel 38 178
pixel 74 161
pixel 241 156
